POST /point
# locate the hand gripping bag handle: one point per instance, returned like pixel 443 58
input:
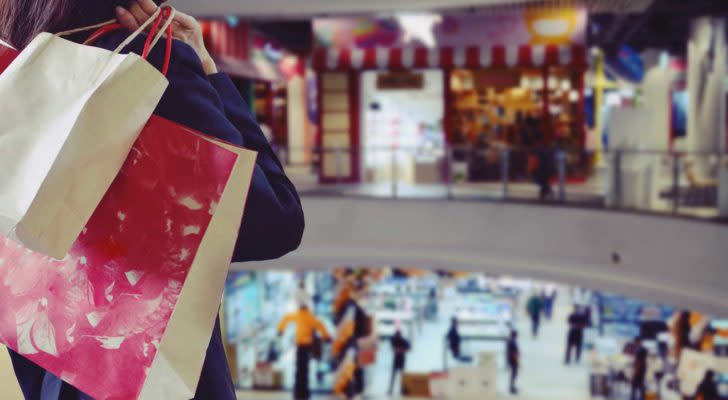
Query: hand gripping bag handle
pixel 165 13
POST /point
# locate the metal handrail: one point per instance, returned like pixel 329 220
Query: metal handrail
pixel 671 173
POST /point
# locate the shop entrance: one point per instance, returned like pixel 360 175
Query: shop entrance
pixel 514 112
pixel 403 138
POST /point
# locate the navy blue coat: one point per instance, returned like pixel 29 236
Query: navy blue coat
pixel 273 217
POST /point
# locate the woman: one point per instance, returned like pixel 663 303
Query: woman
pixel 199 98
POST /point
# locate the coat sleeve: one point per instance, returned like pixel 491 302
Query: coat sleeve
pixel 278 195
pixel 273 221
pixel 321 328
pixel 287 319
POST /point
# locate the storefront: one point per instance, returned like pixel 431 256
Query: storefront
pixel 497 71
pixel 269 76
pixel 402 126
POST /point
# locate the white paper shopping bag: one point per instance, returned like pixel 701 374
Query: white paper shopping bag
pixel 68 118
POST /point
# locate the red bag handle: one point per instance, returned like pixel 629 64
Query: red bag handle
pixel 165 13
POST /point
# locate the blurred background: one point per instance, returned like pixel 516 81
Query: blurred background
pixel 497 163
pixel 458 159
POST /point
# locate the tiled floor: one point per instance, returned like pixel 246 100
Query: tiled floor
pixel 543 375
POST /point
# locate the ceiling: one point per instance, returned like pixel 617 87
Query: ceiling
pixel 664 24
pixel 642 24
pixel 299 8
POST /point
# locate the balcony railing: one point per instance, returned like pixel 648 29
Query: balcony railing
pixel 691 184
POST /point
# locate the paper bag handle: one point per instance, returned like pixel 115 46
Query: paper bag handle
pixel 161 13
pixel 111 25
pixel 168 13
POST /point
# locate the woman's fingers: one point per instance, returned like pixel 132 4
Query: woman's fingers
pixel 185 21
pixel 148 6
pixel 139 13
pixel 126 19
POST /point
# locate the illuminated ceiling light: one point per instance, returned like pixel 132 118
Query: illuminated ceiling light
pixel 232 20
pixel 552 83
pixel 566 85
pixel 419 27
pixel 537 83
pixel 573 96
pixel 551 27
pixel 525 82
pixel 613 99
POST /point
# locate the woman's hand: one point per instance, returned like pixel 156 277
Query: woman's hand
pixel 184 28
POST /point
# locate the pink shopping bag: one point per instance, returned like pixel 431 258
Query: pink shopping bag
pixel 129 313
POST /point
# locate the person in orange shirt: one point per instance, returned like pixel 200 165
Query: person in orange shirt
pixel 307 325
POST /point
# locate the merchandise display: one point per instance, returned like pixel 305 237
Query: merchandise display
pixel 520 109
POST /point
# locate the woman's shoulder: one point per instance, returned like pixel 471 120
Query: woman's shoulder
pixel 182 54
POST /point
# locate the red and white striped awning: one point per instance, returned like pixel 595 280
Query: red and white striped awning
pixel 331 59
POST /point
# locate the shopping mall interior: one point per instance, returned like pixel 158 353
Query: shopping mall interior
pixel 488 186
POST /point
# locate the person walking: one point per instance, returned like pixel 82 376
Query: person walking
pixel 639 371
pixel 544 170
pixel 575 336
pixel 307 326
pixel 513 358
pixel 453 339
pixel 681 327
pixel 708 389
pixel 534 307
pixel 200 98
pixel 400 347
pixel 549 298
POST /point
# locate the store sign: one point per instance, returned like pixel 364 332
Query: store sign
pixel 498 79
pixel 400 81
pixel 530 26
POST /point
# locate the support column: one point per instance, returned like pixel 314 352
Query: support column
pixel 707 57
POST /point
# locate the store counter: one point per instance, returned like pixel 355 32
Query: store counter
pixel 386 322
pixel 494 332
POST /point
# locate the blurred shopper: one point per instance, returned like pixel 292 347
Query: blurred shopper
pixel 302 297
pixel 431 306
pixel 307 326
pixel 200 98
pixel 681 332
pixel 400 347
pixel 534 307
pixel 544 171
pixel 454 339
pixel 575 337
pixel 549 298
pixel 639 370
pixel 513 358
pixel 708 389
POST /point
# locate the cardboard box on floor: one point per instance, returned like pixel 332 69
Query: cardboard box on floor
pixel 266 377
pixel 415 385
pixel 472 383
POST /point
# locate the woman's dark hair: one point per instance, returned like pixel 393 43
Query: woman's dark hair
pixel 22 20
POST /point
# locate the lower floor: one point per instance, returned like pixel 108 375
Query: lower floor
pixel 543 373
